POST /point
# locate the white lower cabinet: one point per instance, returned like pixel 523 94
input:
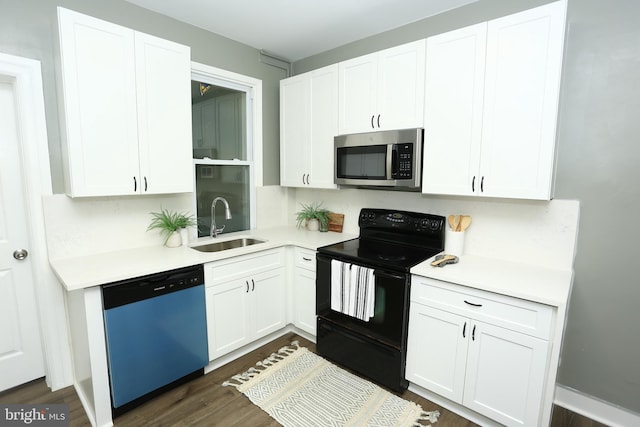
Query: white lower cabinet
pixel 485 351
pixel 245 298
pixel 304 290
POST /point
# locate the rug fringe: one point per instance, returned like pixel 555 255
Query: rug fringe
pixel 269 361
pixel 431 416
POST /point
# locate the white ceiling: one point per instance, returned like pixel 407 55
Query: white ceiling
pixel 296 29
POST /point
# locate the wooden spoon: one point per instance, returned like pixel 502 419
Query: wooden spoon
pixel 451 221
pixel 465 222
pixel 456 223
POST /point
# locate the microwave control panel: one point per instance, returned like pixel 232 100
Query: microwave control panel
pixel 403 160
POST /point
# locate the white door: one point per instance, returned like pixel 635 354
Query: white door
pixel 437 350
pixel 163 84
pixel 357 88
pixel 227 314
pixel 98 79
pixel 453 111
pixel 323 122
pixel 400 102
pixel 21 357
pixel 505 375
pixel 305 300
pixel 522 79
pixel 294 122
pixel 267 293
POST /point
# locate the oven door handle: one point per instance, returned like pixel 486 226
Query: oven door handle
pixel 393 276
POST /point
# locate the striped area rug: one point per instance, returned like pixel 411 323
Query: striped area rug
pixel 301 389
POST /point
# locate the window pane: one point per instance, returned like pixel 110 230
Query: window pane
pixel 219 122
pixel 230 182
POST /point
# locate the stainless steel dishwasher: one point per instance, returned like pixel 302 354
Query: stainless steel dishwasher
pixel 156 333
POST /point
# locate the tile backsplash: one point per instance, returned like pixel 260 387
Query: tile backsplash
pixel 529 231
pixel 534 232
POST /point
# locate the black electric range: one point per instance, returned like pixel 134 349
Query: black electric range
pixel 390 242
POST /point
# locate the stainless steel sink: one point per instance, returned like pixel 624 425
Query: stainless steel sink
pixel 227 244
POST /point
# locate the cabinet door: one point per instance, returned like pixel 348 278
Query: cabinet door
pixel 358 80
pixel 453 111
pixel 268 301
pixel 437 350
pixel 505 374
pixel 524 58
pixel 100 139
pixel 163 75
pixel 400 98
pixel 323 119
pixel 227 317
pixel 304 303
pixel 294 128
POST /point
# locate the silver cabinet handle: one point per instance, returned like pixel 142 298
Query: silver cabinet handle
pixel 20 254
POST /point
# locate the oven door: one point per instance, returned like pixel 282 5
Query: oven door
pixel 389 323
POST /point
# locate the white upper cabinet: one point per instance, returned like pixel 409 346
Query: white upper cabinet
pixel 163 71
pixel 491 106
pixel 126 110
pixel 383 90
pixel 308 124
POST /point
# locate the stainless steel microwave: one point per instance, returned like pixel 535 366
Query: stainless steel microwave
pixel 385 159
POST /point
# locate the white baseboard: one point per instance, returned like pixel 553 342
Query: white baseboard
pixel 595 409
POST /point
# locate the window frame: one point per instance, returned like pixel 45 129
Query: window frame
pixel 253 89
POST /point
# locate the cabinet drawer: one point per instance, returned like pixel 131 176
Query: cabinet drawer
pixel 513 313
pixel 224 270
pixel 305 258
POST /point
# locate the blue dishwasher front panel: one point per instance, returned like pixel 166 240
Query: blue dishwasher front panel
pixel 156 341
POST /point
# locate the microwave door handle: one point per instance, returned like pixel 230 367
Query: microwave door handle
pixel 390 162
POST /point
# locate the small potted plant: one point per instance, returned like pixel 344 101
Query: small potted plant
pixel 169 223
pixel 313 217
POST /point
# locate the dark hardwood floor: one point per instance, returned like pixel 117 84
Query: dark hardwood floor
pixel 205 402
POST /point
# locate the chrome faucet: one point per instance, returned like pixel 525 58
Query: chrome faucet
pixel 227 214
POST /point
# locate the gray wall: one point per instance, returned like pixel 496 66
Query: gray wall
pixel 28 28
pixel 598 152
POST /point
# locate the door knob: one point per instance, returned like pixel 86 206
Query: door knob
pixel 20 254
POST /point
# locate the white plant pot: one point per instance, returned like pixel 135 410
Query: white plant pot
pixel 174 240
pixel 313 224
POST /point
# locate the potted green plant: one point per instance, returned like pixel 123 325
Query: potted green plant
pixel 169 223
pixel 313 216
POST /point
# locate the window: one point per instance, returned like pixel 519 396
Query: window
pixel 224 157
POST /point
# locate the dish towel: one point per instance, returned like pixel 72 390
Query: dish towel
pixel 352 290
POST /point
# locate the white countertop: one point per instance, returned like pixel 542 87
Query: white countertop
pixel 520 280
pixel 94 270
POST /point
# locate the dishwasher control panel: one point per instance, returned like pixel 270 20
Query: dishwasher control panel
pixel 130 290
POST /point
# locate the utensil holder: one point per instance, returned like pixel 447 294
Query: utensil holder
pixel 454 242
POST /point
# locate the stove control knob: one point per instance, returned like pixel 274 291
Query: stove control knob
pixel 435 225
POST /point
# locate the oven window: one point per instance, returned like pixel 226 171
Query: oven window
pixel 367 162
